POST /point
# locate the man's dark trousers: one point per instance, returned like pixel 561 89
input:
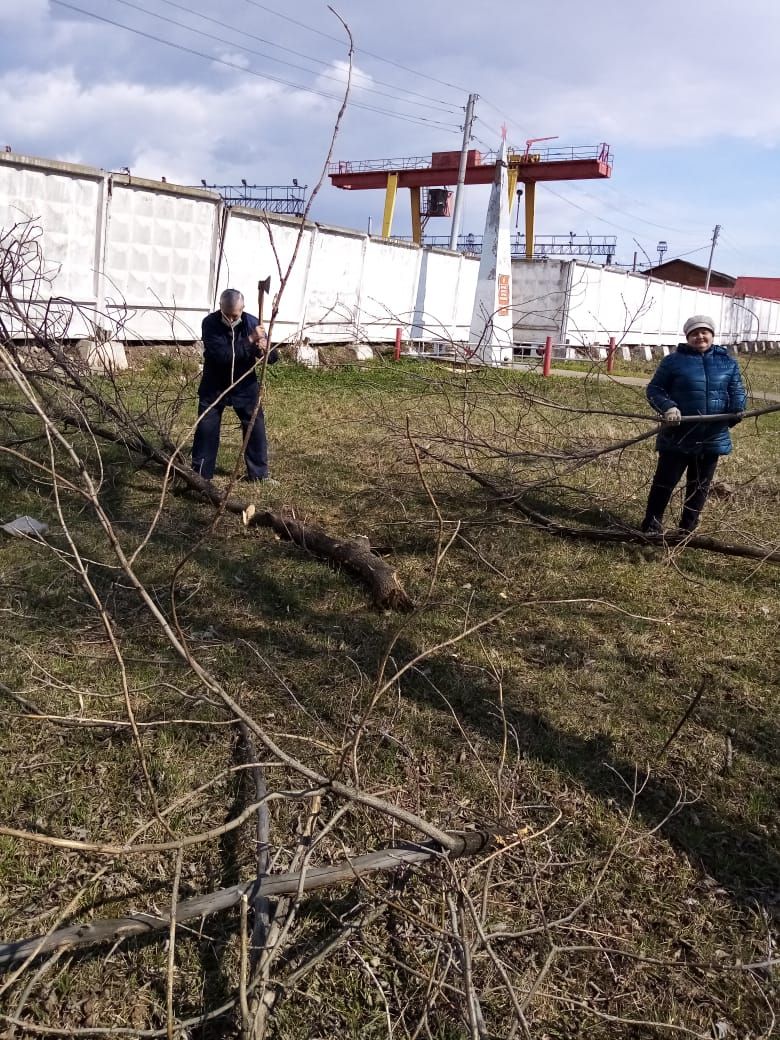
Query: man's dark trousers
pixel 206 443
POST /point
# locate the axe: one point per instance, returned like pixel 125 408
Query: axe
pixel 263 287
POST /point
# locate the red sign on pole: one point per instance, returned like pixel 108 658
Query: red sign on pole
pixel 503 294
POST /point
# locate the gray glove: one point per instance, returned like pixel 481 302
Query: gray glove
pixel 672 415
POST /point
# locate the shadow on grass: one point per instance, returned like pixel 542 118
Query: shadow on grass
pixel 739 858
pixel 744 862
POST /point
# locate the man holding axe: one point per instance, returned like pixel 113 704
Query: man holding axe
pixel 233 343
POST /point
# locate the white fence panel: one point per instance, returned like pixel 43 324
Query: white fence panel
pixel 465 291
pixel 333 292
pixel 638 310
pixel 65 204
pixel 539 295
pixel 436 305
pixel 753 318
pixel 388 290
pixel 158 259
pixel 253 245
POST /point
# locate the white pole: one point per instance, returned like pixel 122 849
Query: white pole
pixel 715 233
pixel 458 211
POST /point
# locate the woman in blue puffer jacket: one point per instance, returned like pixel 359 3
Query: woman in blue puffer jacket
pixel 698 379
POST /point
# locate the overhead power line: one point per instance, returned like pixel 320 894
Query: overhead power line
pixel 507 119
pixel 419 120
pixel 631 200
pixel 642 220
pixel 445 106
pixel 358 50
pixel 620 227
pixel 752 257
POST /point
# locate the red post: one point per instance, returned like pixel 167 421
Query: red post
pixel 397 354
pixel 547 363
pixel 611 354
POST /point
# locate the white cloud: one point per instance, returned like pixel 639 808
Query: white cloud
pixel 181 132
pixel 21 12
pixel 685 108
pixel 337 74
pixel 686 92
pixel 662 74
pixel 233 58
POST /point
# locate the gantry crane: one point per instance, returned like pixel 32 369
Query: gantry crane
pixel 526 167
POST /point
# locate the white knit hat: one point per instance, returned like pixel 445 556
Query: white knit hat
pixel 699 321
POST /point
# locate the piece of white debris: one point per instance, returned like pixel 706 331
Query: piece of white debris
pixel 26 525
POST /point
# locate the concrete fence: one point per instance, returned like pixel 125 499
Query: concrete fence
pixel 584 305
pixel 152 257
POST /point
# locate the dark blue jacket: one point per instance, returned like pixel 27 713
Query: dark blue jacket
pixel 229 357
pixel 697 384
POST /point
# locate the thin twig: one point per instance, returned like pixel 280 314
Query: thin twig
pixel 686 715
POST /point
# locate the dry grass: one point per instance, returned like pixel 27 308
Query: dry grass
pixel 562 704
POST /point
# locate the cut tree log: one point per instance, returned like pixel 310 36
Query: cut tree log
pixel 466 843
pixel 355 554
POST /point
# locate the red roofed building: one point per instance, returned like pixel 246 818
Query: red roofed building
pixel 686 273
pixel 768 288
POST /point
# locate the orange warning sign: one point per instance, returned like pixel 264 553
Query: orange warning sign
pixel 503 294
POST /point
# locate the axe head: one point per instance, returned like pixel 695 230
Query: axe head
pixel 264 285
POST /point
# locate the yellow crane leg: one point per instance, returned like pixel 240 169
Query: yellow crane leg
pixel 512 186
pixel 390 193
pixel 414 196
pixel 530 199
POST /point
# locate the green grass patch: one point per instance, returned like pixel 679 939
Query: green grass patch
pixel 551 712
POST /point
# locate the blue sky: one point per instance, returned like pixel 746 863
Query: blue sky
pixel 685 92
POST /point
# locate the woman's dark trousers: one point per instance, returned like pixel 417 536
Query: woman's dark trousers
pixel 699 471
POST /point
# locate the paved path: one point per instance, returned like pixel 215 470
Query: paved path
pixel 577 373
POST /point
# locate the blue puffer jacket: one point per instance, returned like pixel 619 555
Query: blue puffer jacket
pixel 229 357
pixel 697 384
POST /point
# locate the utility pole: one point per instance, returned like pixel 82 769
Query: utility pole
pixel 715 233
pixel 458 211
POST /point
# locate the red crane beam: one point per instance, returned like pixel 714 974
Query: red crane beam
pixel 588 162
pixel 442 176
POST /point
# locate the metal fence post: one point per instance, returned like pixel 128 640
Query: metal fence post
pixel 547 364
pixel 611 354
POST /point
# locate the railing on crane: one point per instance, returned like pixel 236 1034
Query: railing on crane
pixel 273 198
pixel 529 166
pixel 409 162
pixel 544 245
pixel 600 152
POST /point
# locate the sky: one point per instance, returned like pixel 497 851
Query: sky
pixel 685 92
